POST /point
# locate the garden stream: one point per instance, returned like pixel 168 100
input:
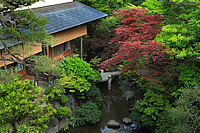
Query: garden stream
pixel 113 106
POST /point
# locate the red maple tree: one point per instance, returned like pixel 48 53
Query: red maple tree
pixel 98 41
pixel 136 38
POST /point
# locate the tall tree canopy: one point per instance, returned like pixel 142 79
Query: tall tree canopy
pixel 136 35
pixel 181 32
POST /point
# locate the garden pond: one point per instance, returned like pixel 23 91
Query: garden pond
pixel 113 106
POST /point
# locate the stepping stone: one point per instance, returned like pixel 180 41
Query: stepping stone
pixel 113 123
pixel 111 131
pixel 127 120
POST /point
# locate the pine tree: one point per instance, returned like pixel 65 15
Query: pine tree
pixel 22 27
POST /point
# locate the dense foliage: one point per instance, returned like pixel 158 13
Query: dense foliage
pixel 163 41
pixel 46 65
pixel 87 113
pixel 181 32
pixel 94 95
pixel 19 106
pixel 135 37
pixel 80 68
pixel 101 31
pixel 76 77
pixel 186 113
pixel 109 5
pixel 166 46
pixel 62 112
pixel 68 84
pixel 183 118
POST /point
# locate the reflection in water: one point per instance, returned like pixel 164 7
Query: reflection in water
pixel 113 106
pixel 108 100
pixel 123 128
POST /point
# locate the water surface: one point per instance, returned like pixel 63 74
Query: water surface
pixel 113 106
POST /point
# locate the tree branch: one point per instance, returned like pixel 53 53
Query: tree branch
pixel 114 22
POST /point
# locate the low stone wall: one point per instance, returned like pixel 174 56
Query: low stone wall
pixel 127 87
pixel 56 125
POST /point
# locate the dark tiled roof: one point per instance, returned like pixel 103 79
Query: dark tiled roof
pixel 67 15
pixel 64 16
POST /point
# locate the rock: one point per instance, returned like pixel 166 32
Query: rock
pixel 127 120
pixel 53 126
pixel 125 85
pixel 128 95
pixel 56 105
pixel 53 122
pixel 43 105
pixel 63 122
pixel 10 126
pixel 71 103
pixel 111 131
pixel 113 123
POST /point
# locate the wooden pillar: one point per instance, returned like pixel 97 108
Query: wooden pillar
pixel 81 47
pixel 48 51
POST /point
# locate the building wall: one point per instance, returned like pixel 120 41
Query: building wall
pixel 64 53
pixel 70 34
pixel 67 35
pixel 63 37
pixel 35 49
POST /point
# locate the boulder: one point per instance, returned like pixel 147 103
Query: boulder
pixel 111 131
pixel 63 122
pixel 43 105
pixel 128 95
pixel 71 103
pixel 56 105
pixel 53 126
pixel 113 123
pixel 127 120
pixel 53 122
pixel 126 86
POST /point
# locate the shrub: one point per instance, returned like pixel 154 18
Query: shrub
pixel 87 113
pixel 185 115
pixel 95 94
pixel 80 68
pixel 155 102
pixel 55 93
pixel 63 98
pixel 62 112
pixel 135 116
pixel 27 129
pixel 68 84
pixel 19 105
pixel 75 84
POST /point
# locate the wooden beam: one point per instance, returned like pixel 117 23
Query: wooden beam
pixel 81 47
pixel 70 34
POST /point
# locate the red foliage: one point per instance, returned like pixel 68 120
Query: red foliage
pixel 100 39
pixel 136 36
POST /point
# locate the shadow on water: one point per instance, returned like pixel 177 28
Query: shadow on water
pixel 113 106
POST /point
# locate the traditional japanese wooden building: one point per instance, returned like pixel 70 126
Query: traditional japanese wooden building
pixel 67 21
